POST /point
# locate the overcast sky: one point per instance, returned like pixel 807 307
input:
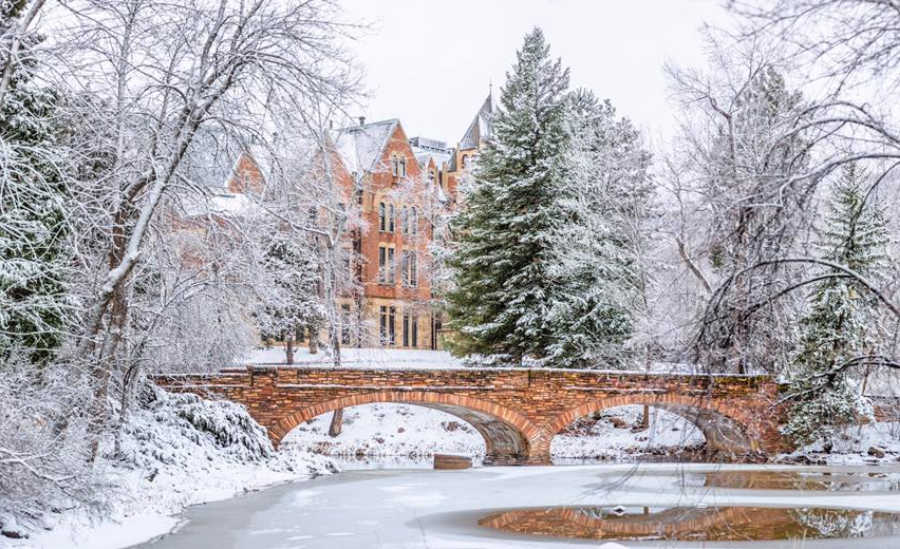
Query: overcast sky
pixel 430 63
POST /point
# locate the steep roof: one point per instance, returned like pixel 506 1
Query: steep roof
pixel 480 128
pixel 361 147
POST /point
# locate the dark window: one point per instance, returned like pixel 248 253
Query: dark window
pixel 391 267
pixel 383 324
pixel 406 328
pixel 415 330
pixel 382 217
pixel 402 167
pixel 409 269
pixel 414 220
pixel 382 264
pixel 391 218
pixel 392 312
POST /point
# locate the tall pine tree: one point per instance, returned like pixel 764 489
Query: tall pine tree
pixel 604 200
pixel 837 329
pixel 33 299
pixel 504 248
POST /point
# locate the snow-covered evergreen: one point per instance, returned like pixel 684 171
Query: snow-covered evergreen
pixel 543 260
pixel 595 259
pixel 33 206
pixel 504 286
pixel 837 328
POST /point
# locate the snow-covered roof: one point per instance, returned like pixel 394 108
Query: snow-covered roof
pixel 220 203
pixel 423 155
pixel 361 147
pixel 480 128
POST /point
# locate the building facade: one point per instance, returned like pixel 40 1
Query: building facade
pixel 398 185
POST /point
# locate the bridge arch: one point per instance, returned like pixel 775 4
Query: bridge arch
pixel 726 429
pixel 508 435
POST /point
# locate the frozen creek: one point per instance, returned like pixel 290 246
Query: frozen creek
pixel 413 508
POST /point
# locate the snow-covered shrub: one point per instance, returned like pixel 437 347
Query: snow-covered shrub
pixel 44 460
pixel 168 428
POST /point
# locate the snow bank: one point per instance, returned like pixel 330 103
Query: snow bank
pixel 854 445
pixel 611 434
pixel 176 450
pixel 386 429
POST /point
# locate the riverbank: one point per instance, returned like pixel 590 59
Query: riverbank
pixel 175 451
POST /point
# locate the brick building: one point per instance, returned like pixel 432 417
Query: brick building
pixel 398 184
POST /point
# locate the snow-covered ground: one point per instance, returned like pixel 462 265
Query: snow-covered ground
pixel 407 430
pixel 359 357
pixel 387 429
pixel 613 435
pixel 393 358
pixel 857 444
pixel 177 450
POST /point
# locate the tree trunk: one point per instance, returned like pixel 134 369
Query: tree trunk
pixel 645 419
pixel 289 348
pixel 337 421
pixel 313 339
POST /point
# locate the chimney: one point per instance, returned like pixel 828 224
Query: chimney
pixel 362 120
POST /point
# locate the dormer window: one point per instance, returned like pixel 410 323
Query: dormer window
pixel 402 166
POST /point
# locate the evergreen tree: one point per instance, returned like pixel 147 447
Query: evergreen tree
pixel 32 207
pixel 837 327
pixel 291 301
pixel 504 254
pixel 606 198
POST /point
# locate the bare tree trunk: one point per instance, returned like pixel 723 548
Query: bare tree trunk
pixel 313 339
pixel 645 419
pixel 337 420
pixel 289 347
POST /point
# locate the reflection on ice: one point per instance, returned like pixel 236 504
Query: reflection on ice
pixel 694 523
pixel 830 481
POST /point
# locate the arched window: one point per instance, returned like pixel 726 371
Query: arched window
pixel 392 218
pixel 465 161
pixel 414 221
pixel 404 220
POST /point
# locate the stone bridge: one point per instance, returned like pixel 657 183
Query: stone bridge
pixel 517 411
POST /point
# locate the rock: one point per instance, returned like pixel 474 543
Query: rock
pixel 875 451
pixel 447 461
pixel 9 528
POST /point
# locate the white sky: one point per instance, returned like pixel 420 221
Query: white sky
pixel 429 63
